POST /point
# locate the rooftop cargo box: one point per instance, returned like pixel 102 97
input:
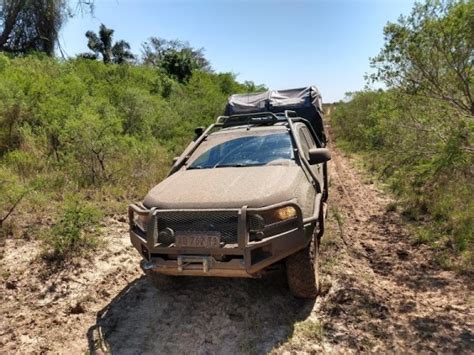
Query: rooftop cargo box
pixel 306 102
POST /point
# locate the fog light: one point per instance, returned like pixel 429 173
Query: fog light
pixel 285 213
pixel 166 235
pixel 256 222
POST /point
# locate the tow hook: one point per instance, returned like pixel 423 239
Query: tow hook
pixel 147 265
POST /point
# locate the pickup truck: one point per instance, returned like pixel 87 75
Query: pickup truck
pixel 249 193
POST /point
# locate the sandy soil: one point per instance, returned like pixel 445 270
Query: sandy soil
pixel 379 293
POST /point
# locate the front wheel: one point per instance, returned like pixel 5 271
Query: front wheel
pixel 302 271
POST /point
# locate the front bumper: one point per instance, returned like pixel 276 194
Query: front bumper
pixel 243 259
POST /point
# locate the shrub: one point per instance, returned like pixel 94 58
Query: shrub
pixel 12 192
pixel 75 232
pixel 422 158
pixel 104 132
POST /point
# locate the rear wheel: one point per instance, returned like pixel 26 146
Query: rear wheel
pixel 302 270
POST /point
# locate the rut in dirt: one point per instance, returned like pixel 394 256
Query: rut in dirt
pixel 389 293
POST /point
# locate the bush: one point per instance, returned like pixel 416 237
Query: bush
pixel 419 132
pixel 75 232
pixel 12 192
pixel 104 133
pixel 422 160
pixel 81 117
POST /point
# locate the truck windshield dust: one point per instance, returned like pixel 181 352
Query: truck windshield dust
pixel 247 151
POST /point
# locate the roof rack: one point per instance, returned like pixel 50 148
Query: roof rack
pixel 293 113
pixel 260 118
pixel 264 119
pixel 256 118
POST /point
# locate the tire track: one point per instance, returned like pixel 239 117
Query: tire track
pixel 388 295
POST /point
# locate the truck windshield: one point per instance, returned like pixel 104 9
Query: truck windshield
pixel 247 151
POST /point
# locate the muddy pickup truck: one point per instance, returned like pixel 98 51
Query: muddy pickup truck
pixel 246 196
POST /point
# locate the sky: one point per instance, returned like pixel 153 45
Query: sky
pixel 279 43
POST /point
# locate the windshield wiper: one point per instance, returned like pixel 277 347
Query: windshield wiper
pixel 229 165
pixel 196 167
pixel 236 165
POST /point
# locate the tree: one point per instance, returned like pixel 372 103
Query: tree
pixel 178 64
pixel 33 25
pixel 177 58
pixel 93 139
pixel 430 53
pixel 250 86
pixel 101 44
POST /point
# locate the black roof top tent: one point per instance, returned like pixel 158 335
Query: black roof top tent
pixel 306 102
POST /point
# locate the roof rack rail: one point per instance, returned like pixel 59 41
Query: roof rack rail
pixel 248 118
pixel 258 118
pixel 293 113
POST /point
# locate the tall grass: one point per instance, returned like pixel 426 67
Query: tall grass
pixel 421 156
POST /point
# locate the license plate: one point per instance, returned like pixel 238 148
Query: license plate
pixel 198 240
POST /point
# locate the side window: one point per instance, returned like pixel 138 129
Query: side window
pixel 309 138
pixel 304 143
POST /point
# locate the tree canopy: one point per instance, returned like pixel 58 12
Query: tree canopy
pixel 101 44
pixel 430 53
pixel 177 58
pixel 33 25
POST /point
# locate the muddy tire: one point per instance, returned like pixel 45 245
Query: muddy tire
pixel 302 271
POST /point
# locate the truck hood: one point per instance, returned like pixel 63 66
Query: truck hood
pixel 226 187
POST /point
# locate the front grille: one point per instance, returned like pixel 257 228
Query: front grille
pixel 224 222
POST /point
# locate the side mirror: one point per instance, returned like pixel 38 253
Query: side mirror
pixel 319 155
pixel 175 159
pixel 198 131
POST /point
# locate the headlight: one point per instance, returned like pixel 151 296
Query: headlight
pixel 266 223
pixel 260 220
pixel 285 213
pixel 141 220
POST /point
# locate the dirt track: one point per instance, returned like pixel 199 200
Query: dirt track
pixel 380 292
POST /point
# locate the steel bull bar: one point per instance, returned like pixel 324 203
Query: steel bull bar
pixel 242 259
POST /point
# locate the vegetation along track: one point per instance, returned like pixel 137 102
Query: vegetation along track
pixel 379 292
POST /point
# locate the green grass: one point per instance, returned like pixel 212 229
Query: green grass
pixel 310 330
